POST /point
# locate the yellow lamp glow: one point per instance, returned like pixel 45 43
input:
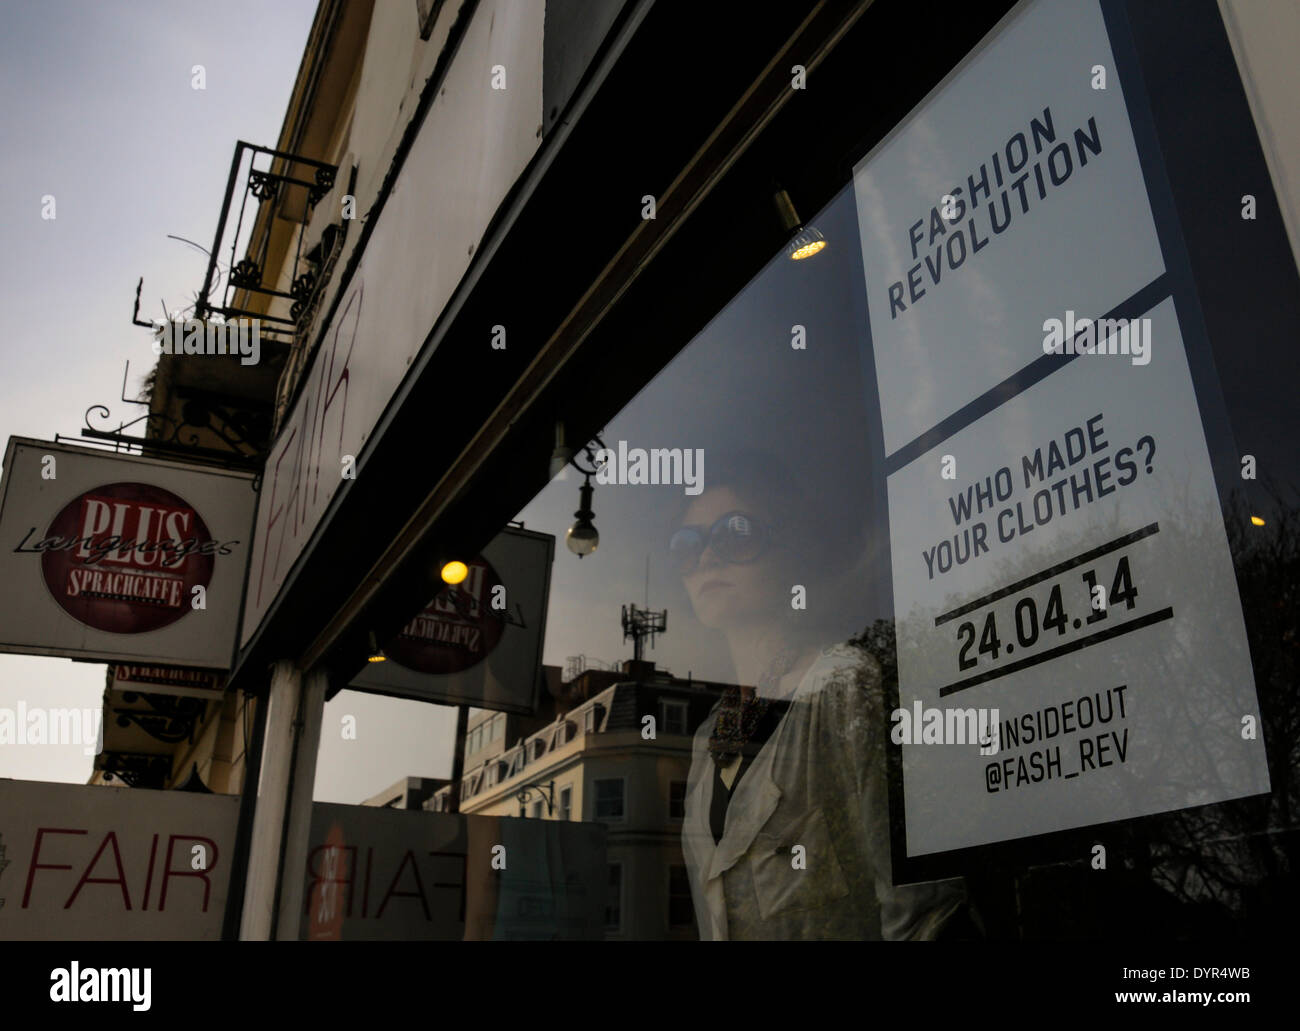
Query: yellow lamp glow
pixel 806 243
pixel 1257 520
pixel 808 250
pixel 454 572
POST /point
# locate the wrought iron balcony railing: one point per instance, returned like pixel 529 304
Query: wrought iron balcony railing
pixel 291 183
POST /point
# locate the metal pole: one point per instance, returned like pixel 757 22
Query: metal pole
pixel 200 310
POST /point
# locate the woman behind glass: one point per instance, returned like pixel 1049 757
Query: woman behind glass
pixel 786 830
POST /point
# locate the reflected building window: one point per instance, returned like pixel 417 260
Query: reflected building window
pixel 672 717
pixel 609 799
pixel 677 800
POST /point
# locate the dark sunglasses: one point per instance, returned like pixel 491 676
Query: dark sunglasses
pixel 736 537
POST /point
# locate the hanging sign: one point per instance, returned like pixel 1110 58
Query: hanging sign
pixel 478 642
pixel 120 557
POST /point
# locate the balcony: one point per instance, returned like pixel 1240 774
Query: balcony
pixel 286 231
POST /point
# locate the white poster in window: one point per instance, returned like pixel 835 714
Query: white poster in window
pixel 1075 577
pixel 1039 173
pixel 1061 568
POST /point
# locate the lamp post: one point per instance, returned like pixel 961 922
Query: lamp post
pixel 582 537
pixel 525 794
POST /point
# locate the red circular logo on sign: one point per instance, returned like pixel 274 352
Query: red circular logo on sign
pixel 125 557
pixel 457 629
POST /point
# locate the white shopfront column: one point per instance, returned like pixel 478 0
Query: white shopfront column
pixel 298 830
pixel 272 792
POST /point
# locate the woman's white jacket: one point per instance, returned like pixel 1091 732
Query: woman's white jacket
pixel 805 851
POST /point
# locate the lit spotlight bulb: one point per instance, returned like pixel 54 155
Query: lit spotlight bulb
pixel 454 572
pixel 807 242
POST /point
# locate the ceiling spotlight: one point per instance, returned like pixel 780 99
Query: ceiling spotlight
pixel 376 653
pixel 582 537
pixel 454 572
pixel 807 240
